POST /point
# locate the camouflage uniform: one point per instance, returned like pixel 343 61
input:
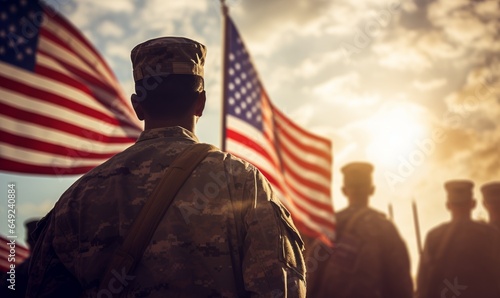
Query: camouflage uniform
pixel 469 266
pixel 225 235
pixel 370 261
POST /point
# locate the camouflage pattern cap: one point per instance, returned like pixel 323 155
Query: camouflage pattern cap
pixel 459 191
pixel 168 55
pixel 491 191
pixel 357 174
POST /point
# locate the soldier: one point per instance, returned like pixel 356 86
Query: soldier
pixel 460 257
pixel 225 235
pixel 21 269
pixel 491 200
pixel 369 258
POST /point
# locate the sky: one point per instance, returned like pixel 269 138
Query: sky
pixel 410 86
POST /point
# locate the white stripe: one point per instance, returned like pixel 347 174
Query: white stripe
pixel 80 48
pixel 51 135
pixel 25 155
pixel 40 107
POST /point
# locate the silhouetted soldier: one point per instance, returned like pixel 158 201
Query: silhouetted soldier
pixel 369 258
pixel 491 200
pixel 21 269
pixel 460 257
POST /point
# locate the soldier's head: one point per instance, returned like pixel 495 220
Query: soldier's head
pixel 169 84
pixel 358 185
pixel 460 200
pixel 491 199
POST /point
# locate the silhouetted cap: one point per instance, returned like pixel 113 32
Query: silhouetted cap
pixel 459 191
pixel 491 191
pixel 168 55
pixel 357 174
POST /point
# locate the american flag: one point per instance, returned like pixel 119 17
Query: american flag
pixel 61 107
pixel 296 162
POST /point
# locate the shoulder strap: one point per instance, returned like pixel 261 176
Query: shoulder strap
pixel 126 257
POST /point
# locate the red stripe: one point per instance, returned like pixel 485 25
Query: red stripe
pixel 56 124
pixel 19 167
pixel 51 148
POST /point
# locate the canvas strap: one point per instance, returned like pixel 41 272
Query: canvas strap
pixel 126 257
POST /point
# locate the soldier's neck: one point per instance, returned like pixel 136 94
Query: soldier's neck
pixel 188 123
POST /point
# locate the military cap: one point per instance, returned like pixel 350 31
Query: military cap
pixel 168 55
pixel 459 191
pixel 491 191
pixel 357 174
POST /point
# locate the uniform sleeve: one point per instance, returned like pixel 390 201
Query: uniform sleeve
pixel 47 275
pixel 273 264
pixel 397 261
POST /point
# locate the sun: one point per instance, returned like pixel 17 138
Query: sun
pixel 393 131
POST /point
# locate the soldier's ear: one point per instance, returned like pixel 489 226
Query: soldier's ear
pixel 200 104
pixel 136 104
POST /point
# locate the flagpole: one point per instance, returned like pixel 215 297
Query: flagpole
pixel 391 211
pixel 225 51
pixel 417 226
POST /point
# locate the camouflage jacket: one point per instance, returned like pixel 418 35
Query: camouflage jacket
pixel 368 261
pixel 225 235
pixel 461 258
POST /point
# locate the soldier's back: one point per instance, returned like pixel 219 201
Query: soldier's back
pixel 369 260
pixel 461 258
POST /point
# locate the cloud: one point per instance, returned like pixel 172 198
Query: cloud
pixel 110 29
pixel 429 85
pixel 401 53
pixel 471 25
